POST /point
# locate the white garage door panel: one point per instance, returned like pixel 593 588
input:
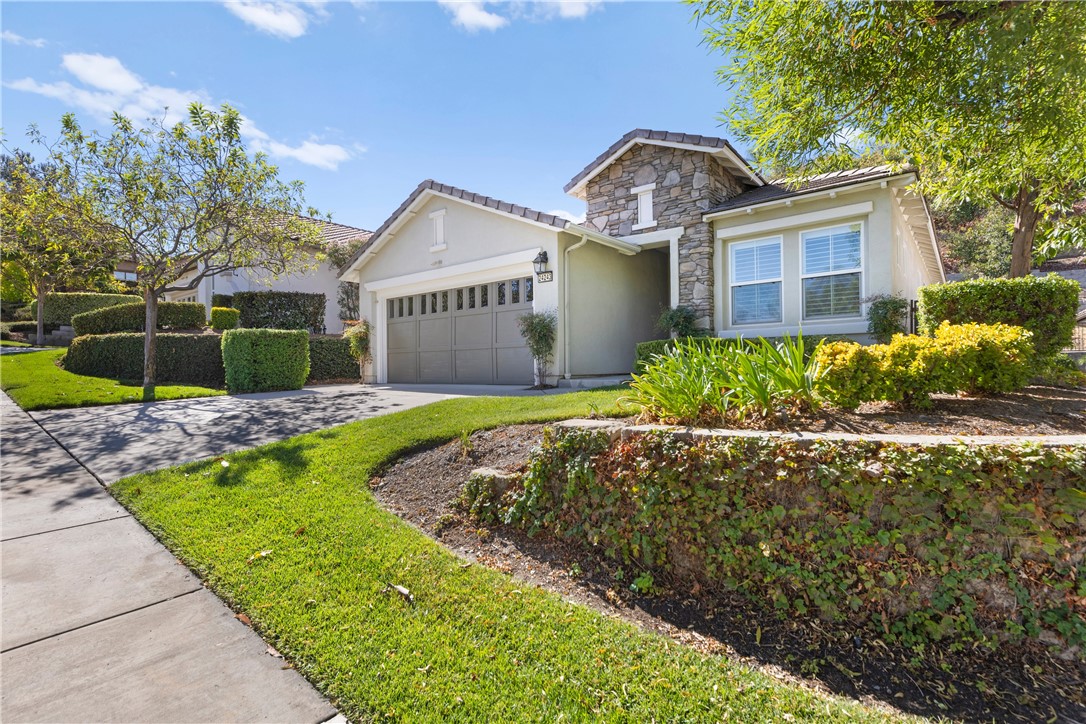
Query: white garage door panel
pixel 467 336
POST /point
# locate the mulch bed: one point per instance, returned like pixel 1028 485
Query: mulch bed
pixel 1020 684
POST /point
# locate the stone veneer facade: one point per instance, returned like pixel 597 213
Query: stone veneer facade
pixel 688 183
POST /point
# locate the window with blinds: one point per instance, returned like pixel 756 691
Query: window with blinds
pixel 832 268
pixel 756 281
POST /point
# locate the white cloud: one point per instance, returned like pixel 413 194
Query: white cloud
pixel 108 87
pixel 282 19
pixel 472 16
pixel 568 215
pixel 16 39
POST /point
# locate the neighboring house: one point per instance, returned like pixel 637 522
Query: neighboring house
pixel 672 219
pixel 322 277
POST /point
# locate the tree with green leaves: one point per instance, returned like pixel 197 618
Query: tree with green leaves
pixel 50 234
pixel 187 202
pixel 986 96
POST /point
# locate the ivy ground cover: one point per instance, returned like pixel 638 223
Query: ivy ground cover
pixel 291 535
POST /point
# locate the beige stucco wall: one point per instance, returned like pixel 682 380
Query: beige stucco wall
pixel 614 302
pixel 891 263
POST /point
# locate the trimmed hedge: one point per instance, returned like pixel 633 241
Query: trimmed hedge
pixel 280 310
pixel 60 307
pixel 131 318
pixel 265 360
pixel 222 300
pixel 986 358
pixel 184 358
pixel 1045 306
pixel 951 543
pixel 330 358
pixel 224 318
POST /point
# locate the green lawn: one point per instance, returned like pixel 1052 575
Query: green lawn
pixel 290 534
pixel 13 343
pixel 36 383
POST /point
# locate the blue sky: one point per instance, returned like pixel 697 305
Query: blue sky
pixel 362 100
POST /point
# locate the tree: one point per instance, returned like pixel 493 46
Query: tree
pixel 347 293
pixel 988 97
pixel 540 330
pixel 980 245
pixel 51 235
pixel 187 202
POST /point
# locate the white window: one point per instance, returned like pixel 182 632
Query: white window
pixel 755 275
pixel 832 278
pixel 438 219
pixel 645 219
pixel 125 276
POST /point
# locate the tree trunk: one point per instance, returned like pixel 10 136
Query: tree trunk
pixel 149 331
pixel 1025 229
pixel 40 340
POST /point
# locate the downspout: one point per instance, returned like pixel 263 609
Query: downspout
pixel 565 302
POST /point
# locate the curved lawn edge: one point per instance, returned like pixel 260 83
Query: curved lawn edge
pixel 290 534
pixel 35 382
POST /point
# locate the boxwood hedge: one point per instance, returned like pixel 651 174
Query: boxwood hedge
pixel 330 359
pixel 1045 306
pixel 264 360
pixel 131 317
pixel 185 358
pixel 60 307
pixel 222 300
pixel 280 310
pixel 224 318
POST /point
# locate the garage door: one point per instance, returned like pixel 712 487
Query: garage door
pixel 466 336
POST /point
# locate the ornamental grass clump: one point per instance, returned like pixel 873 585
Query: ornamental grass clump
pixel 695 384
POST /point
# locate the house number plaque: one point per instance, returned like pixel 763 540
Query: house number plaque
pixel 547 276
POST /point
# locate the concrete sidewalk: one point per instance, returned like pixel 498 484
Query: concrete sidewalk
pixel 102 623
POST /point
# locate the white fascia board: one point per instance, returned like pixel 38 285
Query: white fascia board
pixel 785 222
pixel 618 245
pixel 906 178
pixel 472 272
pixel 578 190
pixel 659 237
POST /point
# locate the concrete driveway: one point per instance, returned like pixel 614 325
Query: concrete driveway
pixel 121 440
pixel 99 621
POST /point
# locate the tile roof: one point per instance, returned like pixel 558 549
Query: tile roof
pixel 788 187
pixel 339 234
pixel 469 196
pixel 650 135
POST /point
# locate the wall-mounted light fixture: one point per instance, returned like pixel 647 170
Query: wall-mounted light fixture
pixel 540 263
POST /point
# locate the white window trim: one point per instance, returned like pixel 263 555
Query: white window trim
pixel 644 201
pixel 732 284
pixel 840 272
pixel 438 241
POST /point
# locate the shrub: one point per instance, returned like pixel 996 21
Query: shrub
pixel 184 358
pixel 21 327
pixel 1045 306
pixel 358 337
pixel 264 360
pixel 699 383
pixel 990 358
pixel 222 300
pixel 60 307
pixel 1060 371
pixel 224 318
pixel 330 358
pixel 915 545
pixel 280 310
pixel 679 322
pixel 131 318
pixel 540 330
pixel 886 316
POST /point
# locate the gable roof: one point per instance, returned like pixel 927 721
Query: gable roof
pixel 340 234
pixel 431 187
pixel 719 147
pixel 791 187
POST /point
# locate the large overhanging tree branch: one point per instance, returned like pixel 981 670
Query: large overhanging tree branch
pixel 187 202
pixel 48 229
pixel 987 97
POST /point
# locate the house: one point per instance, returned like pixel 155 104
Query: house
pixel 672 219
pixel 321 276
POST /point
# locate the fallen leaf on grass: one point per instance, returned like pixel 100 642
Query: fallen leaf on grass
pixel 244 619
pixel 301 529
pixel 404 593
pixel 270 651
pixel 257 556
